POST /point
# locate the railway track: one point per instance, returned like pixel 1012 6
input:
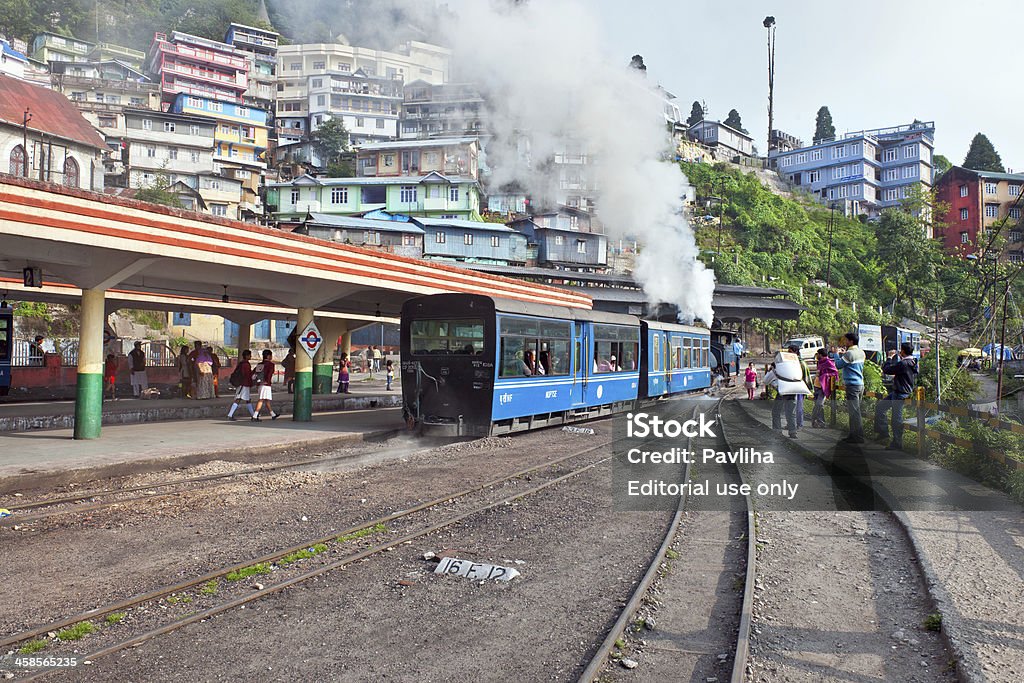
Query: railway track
pixel 318 562
pixel 609 654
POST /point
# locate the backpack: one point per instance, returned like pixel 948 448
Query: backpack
pixel 257 375
pixel 236 379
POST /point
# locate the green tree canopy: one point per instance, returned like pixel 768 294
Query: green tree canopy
pixel 982 156
pixel 909 259
pixel 823 128
pixel 942 164
pixel 637 62
pixel 733 121
pixel 696 114
pixel 331 140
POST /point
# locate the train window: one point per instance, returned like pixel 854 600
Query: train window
pixel 615 341
pixel 535 347
pixel 687 343
pixel 705 345
pixel 656 352
pixel 447 337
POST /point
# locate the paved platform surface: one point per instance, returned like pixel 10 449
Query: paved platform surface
pixel 972 556
pixel 19 417
pixel 53 458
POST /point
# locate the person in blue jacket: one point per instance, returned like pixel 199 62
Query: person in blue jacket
pixel 851 364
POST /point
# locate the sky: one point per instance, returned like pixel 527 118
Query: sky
pixel 874 63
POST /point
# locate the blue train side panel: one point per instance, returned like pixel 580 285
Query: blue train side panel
pixel 675 359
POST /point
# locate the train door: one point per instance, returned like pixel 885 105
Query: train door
pixel 580 364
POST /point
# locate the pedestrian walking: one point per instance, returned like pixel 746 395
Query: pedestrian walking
pixel 137 365
pixel 204 373
pixel 343 374
pixel 750 381
pixel 376 359
pixel 851 363
pixel 110 376
pixel 805 376
pixel 184 364
pixel 824 386
pixel 241 377
pixel 36 352
pixel 262 375
pixel 904 371
pixel 390 373
pixel 289 370
pixel 215 368
pixel 737 350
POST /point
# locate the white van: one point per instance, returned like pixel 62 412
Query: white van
pixel 808 346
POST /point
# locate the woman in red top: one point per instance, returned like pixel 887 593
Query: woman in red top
pixel 110 375
pixel 264 373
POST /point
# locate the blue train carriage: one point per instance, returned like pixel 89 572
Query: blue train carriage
pixel 558 365
pixel 675 359
pixel 6 347
pixel 893 337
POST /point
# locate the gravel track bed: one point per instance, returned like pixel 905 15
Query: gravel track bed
pixel 391 618
pixel 76 564
pixel 839 596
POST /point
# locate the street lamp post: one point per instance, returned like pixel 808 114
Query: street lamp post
pixel 769 24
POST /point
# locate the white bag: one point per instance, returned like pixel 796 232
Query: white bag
pixel 787 369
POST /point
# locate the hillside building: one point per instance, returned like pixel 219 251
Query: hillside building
pixel 979 201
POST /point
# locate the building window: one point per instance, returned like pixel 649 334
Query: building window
pixel 815 155
pixel 581 246
pixel 243 112
pixel 70 172
pixel 216 106
pixel 909 151
pixel 990 188
pixel 150 151
pixel 1014 190
pixel 172 153
pixel 219 209
pixel 890 155
pixel 992 211
pixel 343 66
pixel 169 126
pixel 295 66
pixel 963 190
pixel 195 157
pixel 839 151
pixel 910 171
pixel 147 124
pixel 17 164
pixel 558 240
pixel 320 66
pixel 195 103
pixel 963 237
pixel 439 237
pixel 495 241
pixel 453 194
pixel 964 213
pixel 1015 214
pixel 467 238
pixel 813 177
pixel 409 240
pixel 408 194
pixel 1015 235
pixel 339 195
pixel 295 196
pixel 380 123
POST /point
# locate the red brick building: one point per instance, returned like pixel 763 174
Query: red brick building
pixel 979 201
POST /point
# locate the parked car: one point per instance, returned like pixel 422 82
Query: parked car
pixel 808 346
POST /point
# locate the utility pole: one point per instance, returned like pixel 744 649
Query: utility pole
pixel 25 118
pixel 828 268
pixel 1002 354
pixel 769 24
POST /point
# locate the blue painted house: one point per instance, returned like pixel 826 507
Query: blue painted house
pixel 564 239
pixel 392 235
pixel 453 239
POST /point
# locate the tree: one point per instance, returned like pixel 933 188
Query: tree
pixel 159 192
pixel 911 259
pixel 823 128
pixel 637 62
pixel 696 114
pixel 734 121
pixel 982 156
pixel 942 164
pixel 330 140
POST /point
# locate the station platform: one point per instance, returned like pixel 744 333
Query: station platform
pixel 50 457
pixel 969 539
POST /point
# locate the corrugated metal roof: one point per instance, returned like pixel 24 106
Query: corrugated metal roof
pixel 331 221
pixel 52 113
pixel 393 180
pixel 402 144
pixel 459 223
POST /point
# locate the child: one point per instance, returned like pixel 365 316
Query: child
pixel 390 370
pixel 750 381
pixel 343 376
pixel 110 376
pixel 262 375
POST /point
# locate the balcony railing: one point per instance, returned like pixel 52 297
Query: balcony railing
pixel 176 68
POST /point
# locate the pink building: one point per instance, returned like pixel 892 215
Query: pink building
pixel 197 66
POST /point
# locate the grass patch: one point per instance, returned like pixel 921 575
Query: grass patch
pixel 620 643
pixel 362 533
pixel 185 599
pixel 79 630
pixel 173 600
pixel 671 554
pixel 32 646
pixel 246 572
pixel 933 622
pixel 115 618
pixel 302 554
pixel 209 588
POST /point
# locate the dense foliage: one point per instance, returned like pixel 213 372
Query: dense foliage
pixel 823 128
pixel 982 156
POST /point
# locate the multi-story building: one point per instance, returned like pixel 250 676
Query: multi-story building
pixel 106 52
pixel 239 143
pixel 12 60
pixel 43 136
pixel 51 47
pixel 433 194
pixel 565 239
pixel 441 110
pixel 784 142
pixel 260 46
pixel 447 156
pixel 463 241
pixel 299 67
pixel 979 200
pixel 719 136
pixel 368 105
pixel 401 237
pixel 865 171
pixel 190 65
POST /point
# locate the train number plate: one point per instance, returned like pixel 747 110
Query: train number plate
pixel 474 570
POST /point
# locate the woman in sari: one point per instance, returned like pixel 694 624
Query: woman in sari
pixel 204 373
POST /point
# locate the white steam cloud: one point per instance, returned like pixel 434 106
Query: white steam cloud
pixel 543 68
